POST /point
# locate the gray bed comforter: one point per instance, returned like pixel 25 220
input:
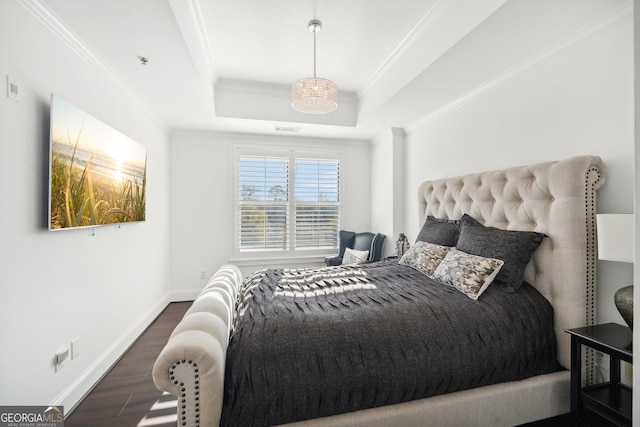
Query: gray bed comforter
pixel 309 343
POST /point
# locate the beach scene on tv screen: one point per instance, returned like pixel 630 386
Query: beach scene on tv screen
pixel 97 174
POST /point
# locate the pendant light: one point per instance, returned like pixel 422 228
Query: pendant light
pixel 313 95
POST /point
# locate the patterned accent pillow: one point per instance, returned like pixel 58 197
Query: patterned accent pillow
pixel 424 257
pixel 470 274
pixel 352 256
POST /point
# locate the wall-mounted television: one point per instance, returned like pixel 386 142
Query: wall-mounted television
pixel 97 175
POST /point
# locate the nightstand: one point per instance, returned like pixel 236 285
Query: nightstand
pixel 605 404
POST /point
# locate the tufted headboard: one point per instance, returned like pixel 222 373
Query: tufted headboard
pixel 554 198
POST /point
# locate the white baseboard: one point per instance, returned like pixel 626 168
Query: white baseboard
pixel 76 391
pixel 72 395
pixel 186 295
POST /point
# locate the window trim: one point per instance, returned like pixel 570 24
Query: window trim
pixel 294 152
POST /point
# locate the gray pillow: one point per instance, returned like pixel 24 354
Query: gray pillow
pixel 515 248
pixel 439 231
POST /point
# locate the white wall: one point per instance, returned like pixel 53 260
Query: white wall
pixel 636 203
pixel 572 94
pixel 201 184
pixel 57 286
pixel 382 183
pixel 387 187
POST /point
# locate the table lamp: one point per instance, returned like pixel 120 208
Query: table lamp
pixel 616 239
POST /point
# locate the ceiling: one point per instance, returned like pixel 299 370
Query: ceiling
pixel 228 65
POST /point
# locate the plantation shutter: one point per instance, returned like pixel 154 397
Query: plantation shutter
pixel 263 202
pixel 288 203
pixel 317 203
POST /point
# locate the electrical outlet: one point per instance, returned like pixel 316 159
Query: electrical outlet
pixel 12 89
pixel 60 356
pixel 203 274
pixel 75 348
pixel 602 367
pixel 626 374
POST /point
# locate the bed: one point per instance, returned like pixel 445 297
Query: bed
pixel 553 200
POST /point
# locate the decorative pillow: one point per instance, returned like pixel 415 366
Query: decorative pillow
pixel 424 257
pixel 346 239
pixel 352 256
pixel 470 274
pixel 440 231
pixel 513 247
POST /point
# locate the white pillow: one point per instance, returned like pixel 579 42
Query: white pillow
pixel 352 256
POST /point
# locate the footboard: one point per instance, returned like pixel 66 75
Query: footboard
pixel 192 364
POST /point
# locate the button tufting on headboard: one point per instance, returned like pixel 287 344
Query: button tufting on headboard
pixel 555 198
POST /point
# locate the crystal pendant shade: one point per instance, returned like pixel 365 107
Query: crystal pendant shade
pixel 314 95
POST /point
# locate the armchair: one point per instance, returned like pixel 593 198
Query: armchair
pixel 365 241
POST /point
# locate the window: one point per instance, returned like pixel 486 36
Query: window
pixel 287 203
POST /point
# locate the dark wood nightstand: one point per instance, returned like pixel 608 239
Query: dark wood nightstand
pixel 605 404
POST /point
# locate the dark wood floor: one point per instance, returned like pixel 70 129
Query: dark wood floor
pixel 126 396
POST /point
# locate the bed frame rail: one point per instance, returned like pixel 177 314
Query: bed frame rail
pixel 191 365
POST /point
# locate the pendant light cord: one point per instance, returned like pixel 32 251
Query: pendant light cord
pixel 314 54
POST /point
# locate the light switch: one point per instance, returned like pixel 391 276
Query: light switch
pixel 75 348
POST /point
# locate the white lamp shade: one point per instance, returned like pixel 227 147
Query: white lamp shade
pixel 616 237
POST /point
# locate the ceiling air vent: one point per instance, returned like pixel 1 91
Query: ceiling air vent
pixel 287 129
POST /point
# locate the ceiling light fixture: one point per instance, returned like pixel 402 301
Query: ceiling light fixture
pixel 314 95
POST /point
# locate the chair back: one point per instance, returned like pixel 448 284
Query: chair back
pixel 364 241
pixel 371 242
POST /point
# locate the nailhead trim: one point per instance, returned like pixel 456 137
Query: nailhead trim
pixel 437 200
pixel 183 390
pixel 592 178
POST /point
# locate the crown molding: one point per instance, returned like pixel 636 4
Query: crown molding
pixel 612 18
pixel 425 22
pixel 60 30
pixel 188 14
pixel 54 24
pixel 399 132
